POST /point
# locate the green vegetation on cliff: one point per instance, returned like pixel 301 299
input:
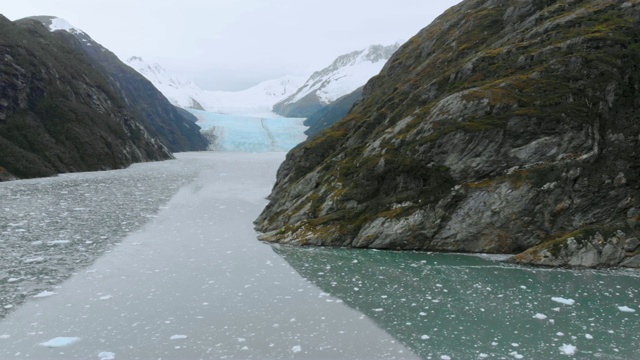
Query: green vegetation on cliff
pixel 500 124
pixel 69 105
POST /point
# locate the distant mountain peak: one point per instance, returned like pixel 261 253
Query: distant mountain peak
pixel 55 23
pixel 346 73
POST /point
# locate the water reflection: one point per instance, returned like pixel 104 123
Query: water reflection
pixel 458 306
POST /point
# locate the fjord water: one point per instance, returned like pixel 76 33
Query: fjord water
pixel 194 283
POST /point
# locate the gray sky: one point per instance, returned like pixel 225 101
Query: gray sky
pixel 233 44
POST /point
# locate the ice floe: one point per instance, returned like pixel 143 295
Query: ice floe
pixel 568 349
pixel 60 342
pixel 44 294
pixel 107 355
pixel 563 300
pixel 626 309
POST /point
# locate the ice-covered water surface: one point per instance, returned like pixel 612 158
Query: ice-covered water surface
pixel 194 283
pixel 466 307
pixel 253 134
pixel 52 227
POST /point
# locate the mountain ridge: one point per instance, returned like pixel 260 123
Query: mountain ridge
pixel 343 76
pixel 177 131
pixel 58 112
pixel 254 101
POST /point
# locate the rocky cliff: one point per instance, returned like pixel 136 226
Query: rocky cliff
pixel 332 113
pixel 502 127
pixel 161 119
pixel 58 113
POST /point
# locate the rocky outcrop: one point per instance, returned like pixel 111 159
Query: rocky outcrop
pixel 501 126
pixel 581 249
pixel 58 113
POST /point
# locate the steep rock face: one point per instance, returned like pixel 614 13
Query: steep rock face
pixel 58 113
pixel 346 74
pixel 331 113
pixel 501 126
pixel 161 119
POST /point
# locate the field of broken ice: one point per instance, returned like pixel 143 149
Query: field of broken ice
pixel 166 264
pixel 252 134
pixel 51 227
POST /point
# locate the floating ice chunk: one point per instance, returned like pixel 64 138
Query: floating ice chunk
pixel 563 300
pixel 540 316
pixel 516 355
pixel 106 355
pixel 5 336
pixel 626 309
pixel 378 310
pixel 242 339
pixel 588 336
pixel 34 260
pixel 106 297
pixel 568 349
pixel 58 242
pixel 296 349
pixel 45 294
pixel 445 357
pixel 425 337
pixel 483 356
pixel 60 342
pixel 12 280
pixel 178 337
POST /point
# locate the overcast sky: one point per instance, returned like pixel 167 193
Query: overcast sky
pixel 233 44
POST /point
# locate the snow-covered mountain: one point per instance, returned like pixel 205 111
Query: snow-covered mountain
pixel 255 101
pixel 180 92
pixel 346 74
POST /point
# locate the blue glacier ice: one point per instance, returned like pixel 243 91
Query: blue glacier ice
pixel 250 134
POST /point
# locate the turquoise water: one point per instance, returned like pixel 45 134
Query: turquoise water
pixel 467 307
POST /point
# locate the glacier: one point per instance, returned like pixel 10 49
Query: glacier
pixel 250 134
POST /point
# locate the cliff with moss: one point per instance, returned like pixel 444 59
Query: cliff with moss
pixel 502 127
pixel 177 131
pixel 62 111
